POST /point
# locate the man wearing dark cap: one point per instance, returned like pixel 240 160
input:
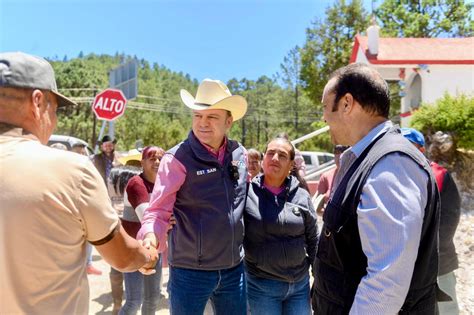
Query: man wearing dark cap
pixel 47 219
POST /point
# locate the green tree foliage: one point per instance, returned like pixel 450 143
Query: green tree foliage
pixel 81 78
pixel 425 18
pixel 328 47
pixel 449 114
pixel 270 111
pixel 157 116
pixel 291 79
pixel 329 44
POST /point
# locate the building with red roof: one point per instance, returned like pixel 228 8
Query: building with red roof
pixel 426 68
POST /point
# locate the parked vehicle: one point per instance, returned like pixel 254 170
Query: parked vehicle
pixel 69 141
pixel 316 160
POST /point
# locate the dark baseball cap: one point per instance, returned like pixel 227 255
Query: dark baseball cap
pixel 20 70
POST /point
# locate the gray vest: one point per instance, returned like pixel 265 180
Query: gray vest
pixel 209 206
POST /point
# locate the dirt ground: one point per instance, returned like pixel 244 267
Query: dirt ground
pixel 101 300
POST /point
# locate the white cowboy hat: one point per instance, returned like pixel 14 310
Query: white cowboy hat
pixel 213 94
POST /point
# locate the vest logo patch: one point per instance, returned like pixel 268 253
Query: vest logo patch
pixel 204 172
pixel 296 211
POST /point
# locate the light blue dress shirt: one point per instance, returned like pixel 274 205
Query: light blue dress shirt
pixel 390 217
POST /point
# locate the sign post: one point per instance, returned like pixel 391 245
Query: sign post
pixel 108 105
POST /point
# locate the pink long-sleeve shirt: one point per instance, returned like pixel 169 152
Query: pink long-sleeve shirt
pixel 170 177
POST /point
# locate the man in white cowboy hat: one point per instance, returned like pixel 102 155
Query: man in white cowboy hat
pixel 52 201
pixel 202 182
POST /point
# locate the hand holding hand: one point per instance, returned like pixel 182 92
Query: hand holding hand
pixel 152 258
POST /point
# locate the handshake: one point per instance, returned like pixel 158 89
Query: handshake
pixel 150 244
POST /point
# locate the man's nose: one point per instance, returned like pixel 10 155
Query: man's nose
pixel 204 121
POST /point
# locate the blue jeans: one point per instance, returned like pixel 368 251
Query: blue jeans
pixel 273 297
pixel 190 289
pixel 141 290
pixel 88 254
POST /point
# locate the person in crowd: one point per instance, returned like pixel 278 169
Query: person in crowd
pixel 254 162
pixel 105 161
pixel 450 215
pixel 79 148
pixel 116 183
pixel 48 218
pixel 141 290
pixel 202 182
pixel 299 167
pixel 280 236
pixel 326 179
pixel 58 146
pixel 377 253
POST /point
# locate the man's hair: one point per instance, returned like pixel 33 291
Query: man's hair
pixel 78 145
pixel 255 153
pixel 120 175
pixel 283 135
pixel 365 85
pixel 9 95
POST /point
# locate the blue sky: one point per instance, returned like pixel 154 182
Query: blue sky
pixel 216 39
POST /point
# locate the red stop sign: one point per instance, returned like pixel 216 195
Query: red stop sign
pixel 109 104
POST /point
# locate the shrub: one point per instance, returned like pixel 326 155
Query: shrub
pixel 449 114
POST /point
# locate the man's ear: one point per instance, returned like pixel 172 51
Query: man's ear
pixel 36 104
pixel 348 103
pixel 229 121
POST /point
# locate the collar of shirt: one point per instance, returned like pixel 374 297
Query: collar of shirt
pixel 274 190
pixel 219 155
pixel 9 130
pixel 360 146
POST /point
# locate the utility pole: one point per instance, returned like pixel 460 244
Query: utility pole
pixel 94 124
pixel 244 132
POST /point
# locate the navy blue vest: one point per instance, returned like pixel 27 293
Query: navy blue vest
pixel 209 207
pixel 340 261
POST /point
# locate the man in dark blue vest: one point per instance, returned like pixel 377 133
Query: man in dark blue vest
pixel 202 181
pixel 378 250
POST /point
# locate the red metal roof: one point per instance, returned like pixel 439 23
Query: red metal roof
pixel 418 50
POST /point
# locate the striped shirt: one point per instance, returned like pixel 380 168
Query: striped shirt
pixel 390 216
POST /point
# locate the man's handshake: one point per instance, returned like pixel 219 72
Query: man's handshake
pixel 150 245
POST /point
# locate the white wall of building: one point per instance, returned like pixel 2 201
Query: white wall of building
pixel 454 79
pixel 436 80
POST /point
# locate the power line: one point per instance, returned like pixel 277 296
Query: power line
pixel 257 114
